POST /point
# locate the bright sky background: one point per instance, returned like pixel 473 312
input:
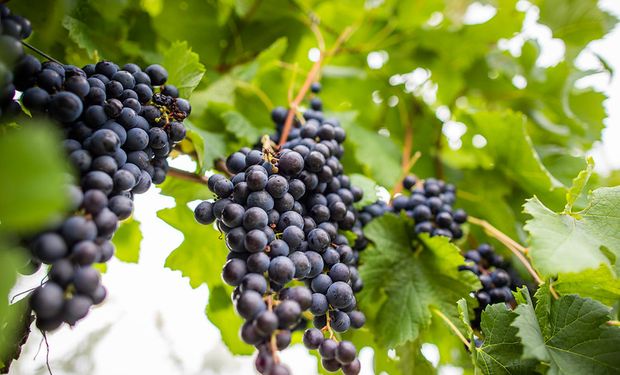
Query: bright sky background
pixel 153 322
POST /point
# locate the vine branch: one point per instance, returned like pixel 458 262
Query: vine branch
pixel 405 171
pixel 328 328
pixel 35 49
pixel 437 159
pixel 273 347
pixel 516 248
pixel 311 77
pixel 497 234
pixel 188 176
pixel 406 163
pixel 454 329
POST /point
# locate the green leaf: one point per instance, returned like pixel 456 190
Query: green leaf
pixel 412 361
pixel 79 33
pixel 485 194
pixel 208 145
pixel 9 259
pixel 127 240
pixel 601 284
pixel 501 351
pixel 33 171
pixel 573 337
pixel 14 330
pixel 221 313
pixel 194 257
pixel 185 191
pixel 383 165
pixel 530 331
pixel 368 186
pixel 239 125
pixel 110 9
pixel 265 61
pixel 243 7
pixel 509 151
pixel 562 243
pixel 463 310
pixel 577 22
pixel 200 257
pixel 14 318
pixel 406 280
pixel 184 68
pixel 579 184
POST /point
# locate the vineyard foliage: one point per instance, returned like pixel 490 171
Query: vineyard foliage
pixel 475 98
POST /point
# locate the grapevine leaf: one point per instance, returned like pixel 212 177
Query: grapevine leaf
pixel 509 151
pixel 265 61
pixel 485 194
pixel 14 318
pixel 601 284
pixel 110 10
pixel 451 349
pixel 405 359
pixel 239 125
pixel 576 338
pixel 127 240
pixel 28 200
pixel 543 305
pixel 406 281
pixel 577 22
pixel 243 7
pixel 208 145
pixel 463 310
pixel 200 258
pixel 562 243
pixel 529 329
pixel 184 191
pixel 579 184
pixel 220 91
pixel 14 330
pixel 79 33
pixel 104 35
pixel 501 351
pixel 368 186
pixel 412 361
pixel 194 256
pixel 184 68
pixel 8 276
pixel 222 314
pixel 383 166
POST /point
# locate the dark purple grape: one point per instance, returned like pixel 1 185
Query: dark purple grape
pixel 47 300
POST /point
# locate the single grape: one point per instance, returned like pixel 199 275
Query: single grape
pixel 250 304
pixel 47 301
pixel 313 338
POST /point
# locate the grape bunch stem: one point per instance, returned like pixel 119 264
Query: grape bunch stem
pixel 453 327
pixel 311 77
pixel 517 249
pixel 35 49
pixel 188 176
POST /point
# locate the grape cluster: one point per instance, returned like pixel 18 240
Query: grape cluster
pixel 430 206
pixel 281 213
pixel 120 124
pixel 13 29
pixel 494 275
